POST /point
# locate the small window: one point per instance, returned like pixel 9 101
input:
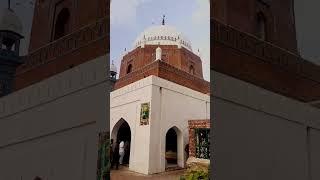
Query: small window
pixel 62 24
pixel 261 26
pixel 129 68
pixel 191 70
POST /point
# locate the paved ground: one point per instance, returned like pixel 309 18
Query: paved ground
pixel 124 174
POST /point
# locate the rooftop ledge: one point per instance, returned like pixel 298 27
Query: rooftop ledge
pixel 248 58
pixel 83 37
pixel 166 71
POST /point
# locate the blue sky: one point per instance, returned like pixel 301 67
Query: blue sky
pixel 130 17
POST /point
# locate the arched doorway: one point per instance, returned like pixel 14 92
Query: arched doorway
pixel 122 132
pixel 171 148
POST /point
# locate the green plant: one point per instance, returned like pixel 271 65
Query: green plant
pixel 196 174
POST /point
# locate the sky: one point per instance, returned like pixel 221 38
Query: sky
pixel 24 10
pixel 308 29
pixel 129 18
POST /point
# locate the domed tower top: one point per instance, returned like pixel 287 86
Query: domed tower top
pixel 162 35
pixel 162 51
pixel 10 36
pixel 10 30
pixel 113 71
pixel 165 43
pixel 10 22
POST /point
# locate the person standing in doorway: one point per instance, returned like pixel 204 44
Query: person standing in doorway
pixel 115 158
pixel 121 152
pixel 126 152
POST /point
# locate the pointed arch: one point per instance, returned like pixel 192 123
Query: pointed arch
pixel 261 26
pixel 121 131
pixel 62 24
pixel 174 150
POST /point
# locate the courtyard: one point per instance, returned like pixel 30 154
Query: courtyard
pixel 124 173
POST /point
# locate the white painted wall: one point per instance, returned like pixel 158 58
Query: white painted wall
pixel 51 129
pixel 172 106
pixel 262 135
pixel 125 103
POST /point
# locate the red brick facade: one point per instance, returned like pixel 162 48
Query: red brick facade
pixel 236 52
pixel 82 13
pixel 243 56
pixel 279 15
pixel 195 124
pixel 168 72
pixel 180 58
pixel 174 66
pixel 88 38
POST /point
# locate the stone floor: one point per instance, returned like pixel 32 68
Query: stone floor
pixel 124 174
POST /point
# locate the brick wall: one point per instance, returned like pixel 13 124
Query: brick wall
pixel 168 72
pixel 46 11
pixel 195 124
pixel 245 57
pixel 243 16
pixel 180 58
pixel 87 40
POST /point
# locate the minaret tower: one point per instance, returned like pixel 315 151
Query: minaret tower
pixel 113 71
pixel 10 36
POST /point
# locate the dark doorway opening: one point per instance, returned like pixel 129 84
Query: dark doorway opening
pixel 171 147
pixel 62 24
pixel 124 134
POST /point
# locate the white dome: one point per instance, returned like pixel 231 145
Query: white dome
pixel 113 68
pixel 9 21
pixel 162 35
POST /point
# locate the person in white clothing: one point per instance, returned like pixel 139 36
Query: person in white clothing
pixel 121 152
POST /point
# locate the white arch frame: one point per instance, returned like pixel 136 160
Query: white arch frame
pixel 115 131
pixel 180 147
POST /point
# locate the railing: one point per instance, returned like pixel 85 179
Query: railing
pixel 67 44
pixel 267 52
pixel 202 137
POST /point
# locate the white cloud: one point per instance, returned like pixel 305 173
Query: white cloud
pixel 124 12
